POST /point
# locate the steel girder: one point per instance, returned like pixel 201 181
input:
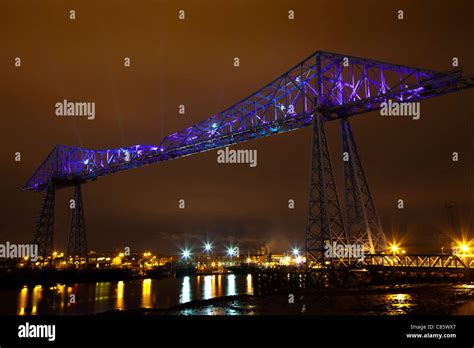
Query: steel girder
pixel 343 85
pixel 420 261
pixel 363 224
pixel 77 242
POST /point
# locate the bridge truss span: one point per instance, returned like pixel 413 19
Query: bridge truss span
pixel 343 86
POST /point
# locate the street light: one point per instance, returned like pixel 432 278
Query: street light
pixel 186 254
pixel 208 247
pixel 394 248
pixel 296 251
pixel 463 247
pixel 231 251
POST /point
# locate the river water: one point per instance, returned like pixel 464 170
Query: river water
pixel 100 297
pixel 93 298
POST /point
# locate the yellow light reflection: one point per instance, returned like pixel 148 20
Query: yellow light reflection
pixel 146 293
pixel 219 285
pixel 62 293
pixel 399 303
pixel 102 291
pixel 23 300
pixel 119 303
pixel 36 298
pixel 467 286
pixel 214 290
pixel 249 284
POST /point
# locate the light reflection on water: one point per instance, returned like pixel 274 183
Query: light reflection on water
pixel 36 298
pixel 22 301
pixel 62 295
pixel 207 287
pixel 212 288
pixel 466 286
pixel 249 284
pixel 219 285
pixel 119 304
pixel 163 293
pixel 186 290
pixel 104 296
pixel 398 303
pixel 146 293
pixel 231 285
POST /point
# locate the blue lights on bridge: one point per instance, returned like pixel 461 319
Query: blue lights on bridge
pixel 287 103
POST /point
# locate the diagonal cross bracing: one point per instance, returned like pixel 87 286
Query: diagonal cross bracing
pixel 343 85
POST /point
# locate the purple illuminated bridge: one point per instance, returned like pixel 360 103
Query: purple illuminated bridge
pixel 323 87
pixel 336 84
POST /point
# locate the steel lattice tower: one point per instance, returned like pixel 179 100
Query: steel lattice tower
pixel 45 226
pixel 77 243
pixel 325 223
pixel 362 221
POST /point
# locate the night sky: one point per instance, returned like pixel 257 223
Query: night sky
pixel 190 62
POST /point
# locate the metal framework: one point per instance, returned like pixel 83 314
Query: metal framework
pixel 77 243
pixel 43 236
pixel 362 221
pixel 342 85
pixel 325 223
pixel 323 87
pixel 420 261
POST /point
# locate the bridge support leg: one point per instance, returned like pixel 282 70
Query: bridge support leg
pixel 45 225
pixel 77 242
pixel 362 221
pixel 325 222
